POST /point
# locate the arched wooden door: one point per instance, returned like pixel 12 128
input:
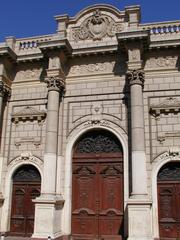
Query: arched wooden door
pixel 169 201
pixel 97 183
pixel 26 186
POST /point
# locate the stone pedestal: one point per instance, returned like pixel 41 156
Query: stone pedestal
pixel 48 218
pixel 139 220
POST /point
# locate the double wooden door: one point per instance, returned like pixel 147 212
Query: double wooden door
pixel 26 187
pixel 97 201
pixel 22 214
pixel 169 201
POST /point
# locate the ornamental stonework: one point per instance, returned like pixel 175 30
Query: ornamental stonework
pixel 55 84
pixel 161 62
pixel 96 27
pixel 92 68
pixel 136 77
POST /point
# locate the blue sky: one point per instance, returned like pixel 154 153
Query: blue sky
pixel 22 18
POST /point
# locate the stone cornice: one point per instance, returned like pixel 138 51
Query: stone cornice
pixel 56 44
pixel 8 52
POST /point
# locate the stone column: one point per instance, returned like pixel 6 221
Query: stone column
pixel 139 175
pixel 48 207
pixel 55 91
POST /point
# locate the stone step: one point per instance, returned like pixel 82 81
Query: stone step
pixel 15 238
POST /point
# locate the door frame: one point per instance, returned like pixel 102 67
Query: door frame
pixel 157 164
pixel 11 169
pixel 73 137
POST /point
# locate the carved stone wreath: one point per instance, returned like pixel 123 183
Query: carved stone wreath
pixel 96 27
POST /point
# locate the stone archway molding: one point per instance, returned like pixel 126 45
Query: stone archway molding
pixel 24 159
pixel 171 155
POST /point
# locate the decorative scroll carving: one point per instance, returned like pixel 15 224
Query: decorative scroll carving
pixel 93 143
pixel 162 62
pixel 27 173
pixel 92 68
pixel 169 172
pixel 112 170
pixel 5 91
pixel 84 170
pixel 96 27
pixel 28 114
pixel 55 84
pixel 96 123
pixel 136 77
pixel 169 105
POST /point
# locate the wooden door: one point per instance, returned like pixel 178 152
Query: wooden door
pixel 97 197
pixel 169 201
pixel 26 186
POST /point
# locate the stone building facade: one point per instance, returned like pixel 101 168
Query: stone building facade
pixel 90 129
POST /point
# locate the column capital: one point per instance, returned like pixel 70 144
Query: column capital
pixel 136 76
pixel 5 91
pixel 55 83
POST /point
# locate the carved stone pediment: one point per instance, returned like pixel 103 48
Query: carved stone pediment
pixel 169 105
pixel 97 27
pixel 28 114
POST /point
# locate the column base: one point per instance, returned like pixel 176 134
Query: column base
pixel 48 209
pixel 139 220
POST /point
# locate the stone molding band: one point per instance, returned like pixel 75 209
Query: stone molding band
pixel 55 84
pixel 136 76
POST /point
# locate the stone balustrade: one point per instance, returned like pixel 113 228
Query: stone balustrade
pixel 30 43
pixel 162 28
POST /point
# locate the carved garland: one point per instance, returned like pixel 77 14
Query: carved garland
pixel 96 27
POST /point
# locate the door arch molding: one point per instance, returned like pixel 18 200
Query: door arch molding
pixel 11 169
pixel 158 163
pixel 73 137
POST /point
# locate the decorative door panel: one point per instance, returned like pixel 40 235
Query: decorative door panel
pixel 84 219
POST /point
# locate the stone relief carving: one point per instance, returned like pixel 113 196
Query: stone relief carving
pixel 96 123
pixel 92 68
pixel 161 62
pixel 169 105
pixel 28 114
pixel 29 74
pixel 171 155
pixel 27 158
pixel 96 27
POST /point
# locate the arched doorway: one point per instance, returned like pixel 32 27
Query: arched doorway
pixel 168 182
pixel 97 187
pixel 26 186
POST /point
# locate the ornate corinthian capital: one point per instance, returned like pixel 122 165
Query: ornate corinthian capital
pixel 5 91
pixel 136 77
pixel 55 84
